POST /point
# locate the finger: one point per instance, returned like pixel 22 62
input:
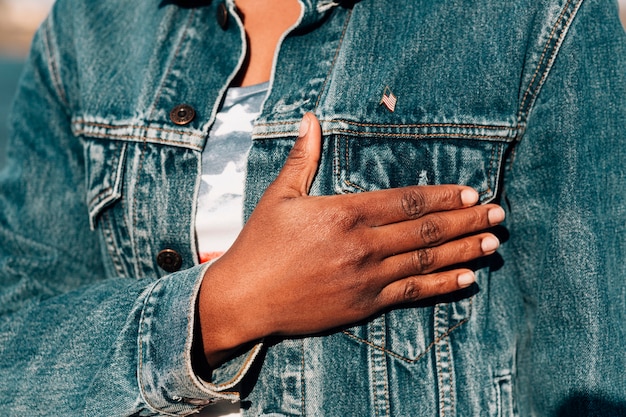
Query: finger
pixel 383 207
pixel 433 229
pixel 417 288
pixel 296 176
pixel 426 260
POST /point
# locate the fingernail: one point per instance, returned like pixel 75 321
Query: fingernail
pixel 495 215
pixel 466 279
pixel 469 197
pixel 489 244
pixel 304 125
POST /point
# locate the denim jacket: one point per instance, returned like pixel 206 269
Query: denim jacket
pixel 524 100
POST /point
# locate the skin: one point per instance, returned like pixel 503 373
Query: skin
pixel 305 264
pixel 264 22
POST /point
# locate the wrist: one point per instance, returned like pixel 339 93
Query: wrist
pixel 221 319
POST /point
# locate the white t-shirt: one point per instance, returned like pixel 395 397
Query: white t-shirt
pixel 219 215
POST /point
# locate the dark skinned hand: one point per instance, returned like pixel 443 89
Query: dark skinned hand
pixel 304 264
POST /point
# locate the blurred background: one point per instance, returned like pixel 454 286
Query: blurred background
pixel 18 21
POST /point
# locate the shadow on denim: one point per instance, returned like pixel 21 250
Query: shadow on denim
pixel 591 405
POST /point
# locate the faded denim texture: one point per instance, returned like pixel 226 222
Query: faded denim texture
pixel 523 100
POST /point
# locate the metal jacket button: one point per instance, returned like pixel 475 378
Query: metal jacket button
pixel 182 114
pixel 222 16
pixel 169 260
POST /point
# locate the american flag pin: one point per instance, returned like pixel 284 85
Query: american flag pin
pixel 388 99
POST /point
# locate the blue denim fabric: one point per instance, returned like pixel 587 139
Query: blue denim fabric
pixel 523 100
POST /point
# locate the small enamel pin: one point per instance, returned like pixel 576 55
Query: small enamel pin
pixel 388 99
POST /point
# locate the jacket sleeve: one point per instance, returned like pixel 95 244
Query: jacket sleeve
pixel 73 341
pixel 566 194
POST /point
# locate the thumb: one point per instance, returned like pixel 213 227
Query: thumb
pixel 296 176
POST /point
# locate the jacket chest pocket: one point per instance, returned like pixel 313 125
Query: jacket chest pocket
pixel 140 200
pixel 378 161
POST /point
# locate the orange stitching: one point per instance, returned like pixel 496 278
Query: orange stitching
pixel 302 379
pixel 428 348
pixel 411 125
pixel 559 41
pixel 422 135
pixel 108 236
pixel 138 139
pixel 522 112
pixel 442 403
pixel 351 184
pixel 543 53
pixel 135 205
pixel 99 197
pixel 452 405
pixel 406 135
pixel 159 129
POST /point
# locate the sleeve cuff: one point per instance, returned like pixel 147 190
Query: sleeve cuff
pixel 166 330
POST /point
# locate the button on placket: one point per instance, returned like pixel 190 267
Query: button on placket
pixel 169 260
pixel 222 16
pixel 182 114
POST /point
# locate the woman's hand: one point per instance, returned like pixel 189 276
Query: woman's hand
pixel 304 264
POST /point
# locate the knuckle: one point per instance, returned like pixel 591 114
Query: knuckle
pixel 413 204
pixel 346 217
pixel 431 231
pixel 466 247
pixel 412 290
pixel 422 260
pixel 357 252
pixel 478 217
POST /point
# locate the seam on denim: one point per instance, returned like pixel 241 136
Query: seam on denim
pixel 336 164
pixel 419 125
pixel 387 407
pixel 84 122
pixel 543 54
pixel 241 371
pixel 492 160
pixel 332 65
pixel 138 139
pixel 372 362
pixel 524 110
pixel 180 41
pixel 452 385
pixel 442 404
pixel 353 185
pixel 555 50
pixel 107 232
pixel 491 169
pixel 135 235
pixel 377 329
pixel 346 181
pixel 302 380
pixel 403 125
pixel 97 199
pixel 142 324
pixel 52 65
pixel 426 350
pixel 422 135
